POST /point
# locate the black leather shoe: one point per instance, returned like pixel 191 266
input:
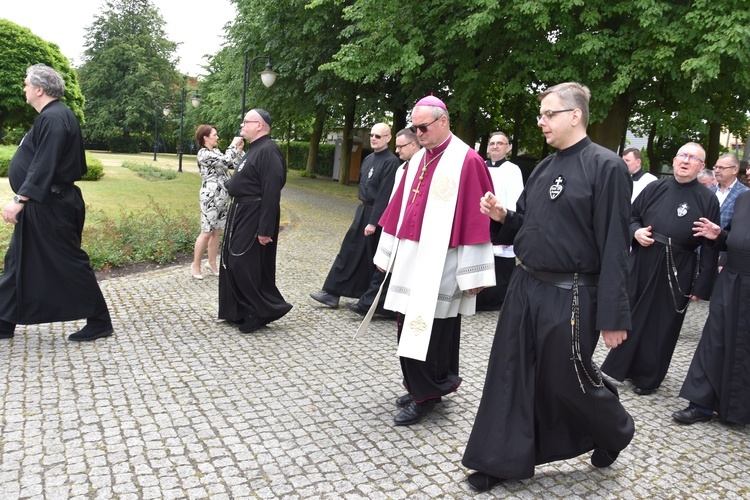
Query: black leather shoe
pixel 6 335
pixel 404 400
pixel 89 332
pixel 479 481
pixel 357 308
pixel 414 412
pixel 326 298
pixel 691 415
pixel 251 324
pixel 603 458
pixel 642 391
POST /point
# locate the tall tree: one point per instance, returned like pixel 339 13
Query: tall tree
pixel 128 72
pixel 19 49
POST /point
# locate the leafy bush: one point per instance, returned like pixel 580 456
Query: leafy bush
pixel 6 153
pixel 95 169
pixel 154 234
pixel 150 173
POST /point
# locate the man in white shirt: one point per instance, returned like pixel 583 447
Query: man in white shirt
pixel 641 178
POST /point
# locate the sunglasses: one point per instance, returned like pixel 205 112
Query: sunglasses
pixel 378 136
pixel 423 128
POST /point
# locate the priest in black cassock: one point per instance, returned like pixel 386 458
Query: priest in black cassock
pixel 352 269
pixel 663 246
pixel 47 275
pixel 248 296
pixel 544 399
pixel 719 375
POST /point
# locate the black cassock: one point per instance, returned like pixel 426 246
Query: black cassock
pixel 247 282
pixel 670 208
pixel 719 375
pixel 537 405
pixel 352 268
pixel 47 275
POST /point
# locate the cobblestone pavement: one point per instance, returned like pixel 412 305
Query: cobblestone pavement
pixel 180 405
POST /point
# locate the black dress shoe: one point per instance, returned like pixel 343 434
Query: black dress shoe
pixel 414 412
pixel 326 298
pixel 251 324
pixel 89 332
pixel 357 308
pixel 691 415
pixel 479 481
pixel 6 335
pixel 642 391
pixel 603 458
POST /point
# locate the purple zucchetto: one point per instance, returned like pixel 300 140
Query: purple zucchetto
pixel 431 100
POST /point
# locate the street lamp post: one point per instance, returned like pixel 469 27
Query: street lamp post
pixel 165 111
pixel 195 100
pixel 267 76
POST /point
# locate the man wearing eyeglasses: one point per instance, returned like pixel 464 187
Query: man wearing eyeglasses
pixel 352 268
pixel 406 146
pixel 544 399
pixel 248 296
pixel 436 246
pixel 727 189
pixel 666 270
pixel 641 178
pixel 508 182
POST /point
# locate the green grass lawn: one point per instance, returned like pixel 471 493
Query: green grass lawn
pixel 131 219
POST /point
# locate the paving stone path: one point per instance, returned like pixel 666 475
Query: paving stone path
pixel 180 405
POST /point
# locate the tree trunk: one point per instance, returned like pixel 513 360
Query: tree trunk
pixel 714 143
pixel 317 133
pixel 609 132
pixel 350 108
pixel 653 158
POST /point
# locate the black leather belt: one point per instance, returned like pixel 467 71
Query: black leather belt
pixel 246 199
pixel 677 245
pixel 563 280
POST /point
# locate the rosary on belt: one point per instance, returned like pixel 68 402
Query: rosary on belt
pixel 575 338
pixel 228 236
pixel 672 271
pixel 421 175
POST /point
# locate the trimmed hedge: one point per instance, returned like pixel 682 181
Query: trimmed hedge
pixel 298 152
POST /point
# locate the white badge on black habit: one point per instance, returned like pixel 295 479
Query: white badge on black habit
pixel 556 189
pixel 682 210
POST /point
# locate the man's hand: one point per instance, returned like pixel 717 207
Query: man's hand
pixel 475 291
pixel 613 338
pixel 11 211
pixel 264 240
pixel 370 229
pixel 643 237
pixel 489 205
pixel 706 228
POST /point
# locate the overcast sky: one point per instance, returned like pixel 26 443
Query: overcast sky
pixel 196 26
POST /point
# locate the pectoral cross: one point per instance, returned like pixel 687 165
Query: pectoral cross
pixel 421 175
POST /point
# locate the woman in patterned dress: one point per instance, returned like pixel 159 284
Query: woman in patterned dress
pixel 214 199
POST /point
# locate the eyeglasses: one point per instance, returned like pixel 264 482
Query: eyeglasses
pixel 547 115
pixel 690 158
pixel 245 122
pixel 720 168
pixel 423 128
pixel 378 136
pixel 498 144
pixel 399 146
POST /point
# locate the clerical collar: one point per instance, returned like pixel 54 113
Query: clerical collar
pixel 639 174
pixel 575 148
pixel 496 163
pixel 441 147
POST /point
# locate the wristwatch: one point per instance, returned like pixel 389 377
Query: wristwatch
pixel 16 199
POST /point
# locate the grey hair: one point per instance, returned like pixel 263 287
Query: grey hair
pixel 51 81
pixel 732 158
